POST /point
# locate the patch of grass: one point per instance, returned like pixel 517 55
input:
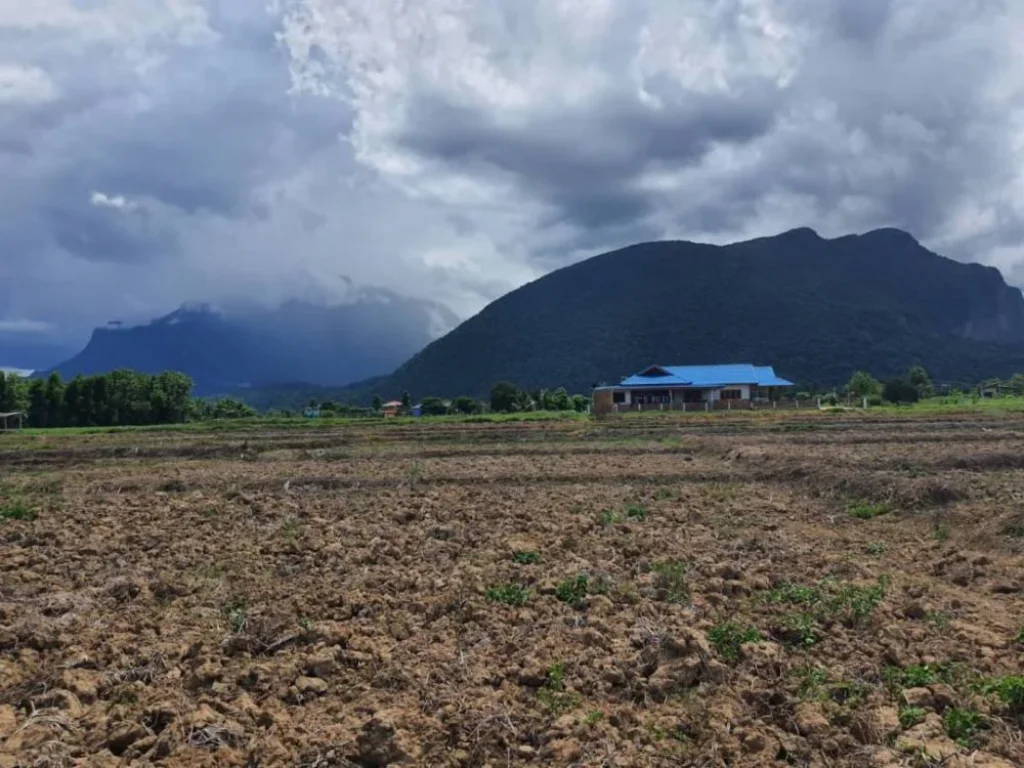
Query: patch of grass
pixel 849 693
pixel 911 716
pixel 593 718
pixel 573 591
pixel 875 548
pixel 811 682
pixel 636 511
pixel 670 576
pixel 962 725
pixel 942 532
pixel 661 733
pixel 918 676
pixel 666 494
pixel 292 529
pixel 833 600
pixel 526 558
pixel 795 594
pixel 1019 639
pixel 867 511
pixel 509 593
pixel 940 620
pixel 729 637
pixel 802 629
pixel 17 510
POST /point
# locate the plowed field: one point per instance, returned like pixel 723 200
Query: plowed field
pixel 832 591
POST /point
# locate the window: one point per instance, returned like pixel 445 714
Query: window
pixel 732 394
pixel 618 397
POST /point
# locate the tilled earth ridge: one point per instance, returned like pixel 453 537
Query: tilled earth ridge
pixel 638 592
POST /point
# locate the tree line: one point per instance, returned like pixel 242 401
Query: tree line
pixel 119 398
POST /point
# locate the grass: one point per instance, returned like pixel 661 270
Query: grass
pixel 1014 530
pixel 962 725
pixel 670 576
pixel 509 593
pixel 292 529
pixel 610 517
pixel 573 591
pixel 875 548
pixel 526 558
pixel 911 716
pixel 729 637
pixel 636 511
pixel 811 682
pixel 237 614
pixel 1019 639
pixel 553 695
pixel 593 718
pixel 1009 689
pixel 867 511
pixel 832 600
pixel 17 510
pixel 942 532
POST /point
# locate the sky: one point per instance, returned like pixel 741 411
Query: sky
pixel 155 152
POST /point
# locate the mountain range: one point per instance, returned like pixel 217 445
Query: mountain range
pixel 227 350
pixel 816 309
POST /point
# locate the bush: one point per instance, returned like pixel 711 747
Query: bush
pixel 433 406
pixel 573 591
pixel 466 406
pixel 17 511
pixel 729 637
pixel 509 594
pixel 900 392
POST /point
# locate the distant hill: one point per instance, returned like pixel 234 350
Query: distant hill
pixel 816 309
pixel 225 351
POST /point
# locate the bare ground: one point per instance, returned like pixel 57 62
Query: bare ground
pixel 734 592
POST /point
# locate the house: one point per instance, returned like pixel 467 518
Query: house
pixel 692 387
pixel 391 408
pixel 12 418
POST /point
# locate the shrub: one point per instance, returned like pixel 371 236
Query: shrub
pixel 636 512
pixel 553 695
pixel 509 593
pixel 730 636
pixel 1010 690
pixel 433 406
pixel 900 391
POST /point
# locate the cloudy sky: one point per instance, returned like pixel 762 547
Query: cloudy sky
pixel 159 151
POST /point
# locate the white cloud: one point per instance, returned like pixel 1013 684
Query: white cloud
pixel 24 326
pixel 117 202
pixel 25 85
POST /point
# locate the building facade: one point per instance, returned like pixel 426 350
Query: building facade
pixel 692 388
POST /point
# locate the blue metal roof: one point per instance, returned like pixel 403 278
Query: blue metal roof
pixel 705 376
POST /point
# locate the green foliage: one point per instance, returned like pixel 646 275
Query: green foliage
pixel 503 397
pixel 811 681
pixel 237 614
pixel 553 695
pixel 636 511
pixel 377 403
pixel 610 517
pixel 867 511
pixel 832 600
pixel 918 676
pixel 670 577
pixel 406 402
pixel 863 384
pixel 526 558
pixel 593 718
pixel 509 593
pixel 1019 639
pixel 942 532
pixel 962 725
pixel 465 405
pixel 875 548
pixel 727 639
pixel 573 591
pixel 900 392
pixel 433 406
pixel 911 716
pixel 1009 689
pixel 920 379
pixel 17 510
pixel 1014 530
pixel 224 408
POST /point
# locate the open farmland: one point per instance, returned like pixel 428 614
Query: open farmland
pixel 811 590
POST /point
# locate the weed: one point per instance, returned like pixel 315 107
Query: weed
pixel 17 510
pixel 573 591
pixel 875 548
pixel 918 676
pixel 942 532
pixel 237 614
pixel 610 517
pixel 665 494
pixel 795 594
pixel 1019 639
pixel 636 512
pixel 849 693
pixel 661 733
pixel 593 718
pixel 509 593
pixel 292 529
pixel 812 681
pixel 553 695
pixel 962 725
pixel 526 558
pixel 1009 689
pixel 940 620
pixel 1014 530
pixel 730 636
pixel 867 511
pixel 911 716
pixel 802 630
pixel 833 600
pixel 670 576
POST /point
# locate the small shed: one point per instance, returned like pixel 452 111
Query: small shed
pixel 15 418
pixel 391 408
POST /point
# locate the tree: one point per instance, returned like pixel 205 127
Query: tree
pixel 522 402
pixel 921 381
pixel 433 406
pixel 406 402
pixel 1017 384
pixel 558 400
pixel 900 391
pixel 38 407
pixel 377 403
pixel 55 400
pixel 863 384
pixel 503 397
pixel 580 403
pixel 465 405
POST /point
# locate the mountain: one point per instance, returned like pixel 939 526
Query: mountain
pixel 225 351
pixel 816 309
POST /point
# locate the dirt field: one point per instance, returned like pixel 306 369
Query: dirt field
pixel 830 591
